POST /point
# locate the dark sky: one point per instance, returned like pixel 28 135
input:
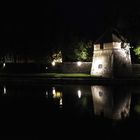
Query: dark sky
pixel 36 24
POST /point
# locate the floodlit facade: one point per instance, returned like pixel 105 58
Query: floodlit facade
pixel 111 56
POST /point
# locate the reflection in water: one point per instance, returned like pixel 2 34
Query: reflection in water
pixel 72 107
pixel 102 100
pixel 47 94
pixel 74 100
pixel 53 90
pixel 61 102
pixel 111 102
pixel 79 93
pixel 57 95
pixel 4 90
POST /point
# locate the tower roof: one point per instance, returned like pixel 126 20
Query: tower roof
pixel 110 35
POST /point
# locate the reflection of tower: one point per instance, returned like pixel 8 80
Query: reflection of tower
pixel 110 103
pixel 102 100
pixel 111 56
pixel 4 90
pixel 122 102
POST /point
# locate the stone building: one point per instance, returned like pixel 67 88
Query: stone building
pixel 111 56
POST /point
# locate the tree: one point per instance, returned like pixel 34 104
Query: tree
pixel 83 51
pixel 57 57
pixel 78 50
pixel 137 53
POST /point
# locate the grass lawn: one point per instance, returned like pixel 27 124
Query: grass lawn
pixel 52 75
pixel 68 75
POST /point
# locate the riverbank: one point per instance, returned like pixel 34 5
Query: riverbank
pixel 58 78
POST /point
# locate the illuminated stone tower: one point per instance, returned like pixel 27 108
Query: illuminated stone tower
pixel 111 56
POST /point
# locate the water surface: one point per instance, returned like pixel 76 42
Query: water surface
pixel 90 109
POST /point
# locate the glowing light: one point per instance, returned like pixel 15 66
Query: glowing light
pixel 79 63
pixel 53 91
pixel 57 95
pixel 46 68
pixel 53 63
pixel 47 93
pixel 4 65
pixel 4 90
pixel 61 102
pixel 79 93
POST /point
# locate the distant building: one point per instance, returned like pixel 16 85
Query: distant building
pixel 111 56
pixel 11 58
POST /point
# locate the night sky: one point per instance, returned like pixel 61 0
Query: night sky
pixel 38 25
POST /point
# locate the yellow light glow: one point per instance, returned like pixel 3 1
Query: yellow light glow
pixel 57 94
pixel 79 63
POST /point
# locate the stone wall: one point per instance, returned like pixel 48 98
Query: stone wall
pixel 103 58
pixel 71 67
pixel 66 67
pixel 122 63
pixel 102 61
pixel 111 60
pixel 85 67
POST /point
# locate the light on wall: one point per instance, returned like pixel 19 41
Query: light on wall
pixel 53 63
pixel 4 65
pixel 98 66
pixel 79 63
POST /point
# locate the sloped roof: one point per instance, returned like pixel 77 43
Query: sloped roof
pixel 110 35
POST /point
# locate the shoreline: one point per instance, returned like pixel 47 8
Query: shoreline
pixel 44 79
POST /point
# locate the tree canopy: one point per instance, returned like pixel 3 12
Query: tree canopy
pixel 137 53
pixel 78 50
